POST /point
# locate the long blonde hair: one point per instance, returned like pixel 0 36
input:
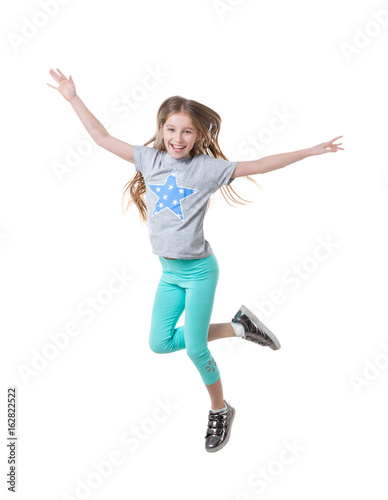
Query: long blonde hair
pixel 205 120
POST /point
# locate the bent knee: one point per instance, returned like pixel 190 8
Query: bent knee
pixel 156 345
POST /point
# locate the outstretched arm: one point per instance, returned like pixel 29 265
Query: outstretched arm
pixel 97 131
pixel 273 162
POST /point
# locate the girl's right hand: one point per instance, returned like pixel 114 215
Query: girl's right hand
pixel 66 86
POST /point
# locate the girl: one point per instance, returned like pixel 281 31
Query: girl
pixel 177 176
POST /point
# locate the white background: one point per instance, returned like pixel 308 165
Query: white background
pixel 64 237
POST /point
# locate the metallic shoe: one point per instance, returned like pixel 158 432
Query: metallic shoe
pixel 255 330
pixel 219 428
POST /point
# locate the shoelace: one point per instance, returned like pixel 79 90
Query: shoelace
pixel 216 423
pixel 258 330
pixel 255 340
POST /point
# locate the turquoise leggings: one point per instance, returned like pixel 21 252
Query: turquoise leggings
pixel 190 285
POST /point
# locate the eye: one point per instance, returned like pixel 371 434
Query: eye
pixel 189 131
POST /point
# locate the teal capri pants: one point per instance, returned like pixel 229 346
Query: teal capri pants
pixel 190 285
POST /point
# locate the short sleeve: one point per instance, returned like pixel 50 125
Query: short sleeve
pixel 144 158
pixel 138 156
pixel 220 171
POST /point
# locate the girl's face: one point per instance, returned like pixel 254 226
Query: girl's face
pixel 179 135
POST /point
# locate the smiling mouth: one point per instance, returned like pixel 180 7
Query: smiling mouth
pixel 177 149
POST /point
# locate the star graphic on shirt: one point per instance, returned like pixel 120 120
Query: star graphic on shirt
pixel 170 195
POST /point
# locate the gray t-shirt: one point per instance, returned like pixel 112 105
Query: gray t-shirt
pixel 177 192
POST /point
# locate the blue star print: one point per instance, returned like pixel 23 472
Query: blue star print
pixel 170 195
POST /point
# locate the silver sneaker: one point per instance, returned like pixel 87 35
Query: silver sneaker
pixel 219 429
pixel 255 330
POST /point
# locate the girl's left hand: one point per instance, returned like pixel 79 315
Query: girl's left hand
pixel 326 147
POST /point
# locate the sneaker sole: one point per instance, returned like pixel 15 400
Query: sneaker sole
pixel 228 436
pixel 265 329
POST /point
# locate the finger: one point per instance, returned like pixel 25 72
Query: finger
pixel 54 75
pixel 60 72
pixel 52 86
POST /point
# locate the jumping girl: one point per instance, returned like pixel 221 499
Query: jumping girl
pixel 177 176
